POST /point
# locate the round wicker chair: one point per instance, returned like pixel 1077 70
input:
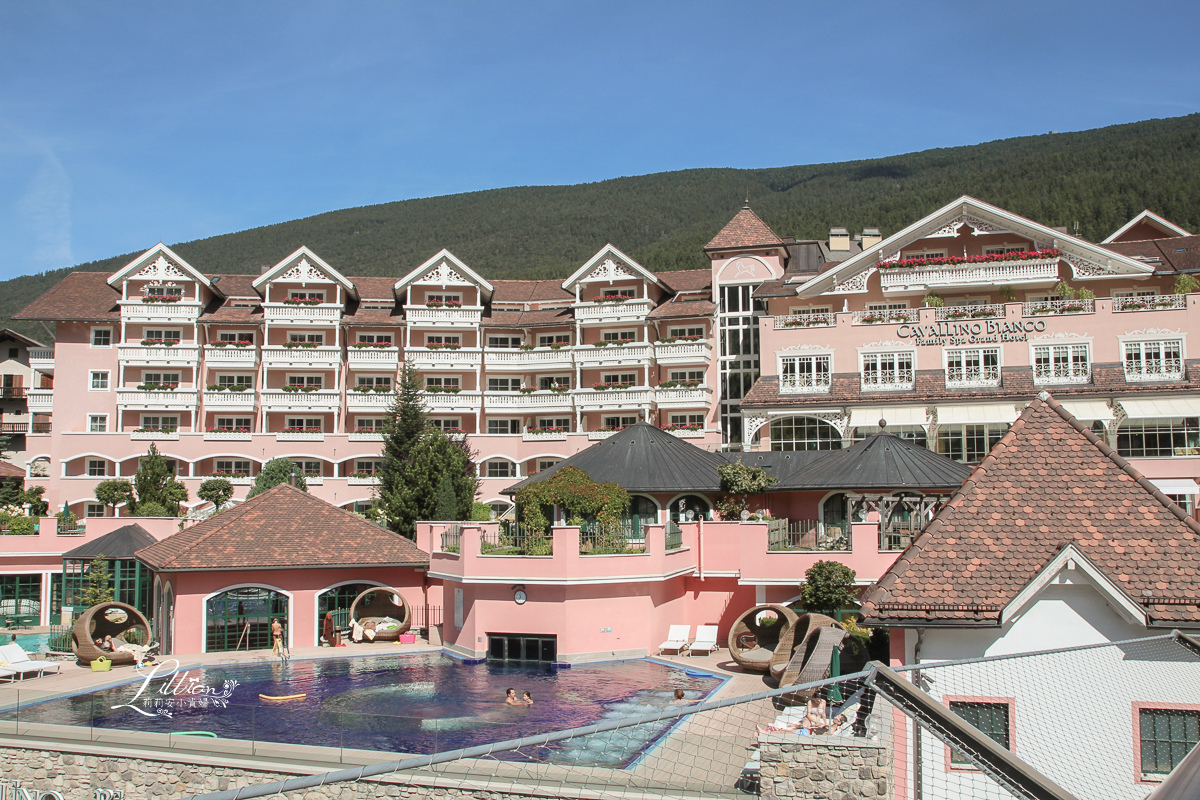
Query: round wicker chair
pixel 95 623
pixel 378 602
pixel 756 647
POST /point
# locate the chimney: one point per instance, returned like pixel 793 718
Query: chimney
pixel 292 477
pixel 839 239
pixel 871 237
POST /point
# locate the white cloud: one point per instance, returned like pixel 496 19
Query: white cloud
pixel 45 208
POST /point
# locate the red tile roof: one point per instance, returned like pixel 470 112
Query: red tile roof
pixel 746 229
pixel 79 297
pixel 1176 254
pixel 508 291
pixel 684 308
pixel 11 470
pixel 688 280
pixel 1048 483
pixel 282 527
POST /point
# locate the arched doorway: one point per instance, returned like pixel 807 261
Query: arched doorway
pixel 642 512
pixel 240 618
pixel 338 599
pixel 689 507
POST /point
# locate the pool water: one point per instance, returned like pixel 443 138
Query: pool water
pixel 33 642
pixel 411 704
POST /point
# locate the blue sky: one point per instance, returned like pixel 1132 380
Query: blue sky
pixel 126 123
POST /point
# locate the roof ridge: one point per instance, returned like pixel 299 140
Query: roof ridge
pixel 221 520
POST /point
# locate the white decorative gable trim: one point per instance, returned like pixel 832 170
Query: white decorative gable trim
pixel 1071 559
pixel 159 263
pixel 443 270
pixel 609 265
pixel 1149 217
pixel 305 266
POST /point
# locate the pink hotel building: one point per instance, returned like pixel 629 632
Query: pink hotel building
pixel 946 329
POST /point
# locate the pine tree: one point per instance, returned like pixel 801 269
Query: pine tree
pixel 447 504
pixel 155 484
pixel 413 490
pixel 275 472
pixel 99 580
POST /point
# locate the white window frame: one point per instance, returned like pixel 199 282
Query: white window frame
pixel 103 467
pixel 307 336
pixel 805 373
pixel 553 422
pixel 373 338
pixel 547 339
pixel 234 379
pixel 511 341
pixel 373 380
pixel 443 338
pixel 620 377
pixel 903 376
pixel 95 510
pixel 890 305
pixel 443 380
pixel 1069 374
pixel 159 423
pixel 687 375
pixel 106 380
pixel 513 425
pixel 161 377
pixel 233 466
pixel 97 423
pixel 305 420
pixel 92 339
pixel 306 294
pixel 430 296
pixel 805 311
pixel 444 423
pixel 1001 249
pixel 511 469
pixel 555 380
pixel 616 336
pixel 235 336
pixel 934 252
pixel 971 376
pixel 233 422
pixel 513 382
pixel 305 379
pixel 1162 368
pixel 622 421
pixel 677 332
pixel 375 423
pixel 688 419
pixel 149 333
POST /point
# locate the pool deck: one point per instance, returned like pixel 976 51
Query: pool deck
pixel 706 750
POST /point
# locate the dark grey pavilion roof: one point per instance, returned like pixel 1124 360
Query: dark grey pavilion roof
pixel 642 458
pixel 882 461
pixel 121 543
pixel 780 464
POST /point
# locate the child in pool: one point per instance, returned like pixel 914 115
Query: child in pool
pixel 527 698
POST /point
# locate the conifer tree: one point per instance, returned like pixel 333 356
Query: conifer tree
pixel 275 472
pixel 99 580
pixel 156 486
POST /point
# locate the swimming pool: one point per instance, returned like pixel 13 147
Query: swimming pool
pixel 34 642
pixel 417 704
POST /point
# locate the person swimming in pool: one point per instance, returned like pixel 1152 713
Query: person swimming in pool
pixel 527 698
pixel 510 698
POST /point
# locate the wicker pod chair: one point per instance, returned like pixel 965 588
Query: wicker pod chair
pixel 378 602
pixel 94 624
pixel 812 656
pixel 757 648
pixel 806 627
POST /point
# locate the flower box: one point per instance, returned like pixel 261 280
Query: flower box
pixel 953 261
pixel 871 319
pixel 301 301
pixel 297 387
pixel 443 389
pixel 601 343
pixel 614 298
pixel 526 347
pixel 162 298
pixel 162 342
pixel 440 346
pixel 157 387
pixel 557 389
pixel 377 345
pixel 238 343
pixel 305 345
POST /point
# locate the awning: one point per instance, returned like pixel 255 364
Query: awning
pixel 1089 410
pixel 1159 407
pixel 895 415
pixel 976 412
pixel 1176 485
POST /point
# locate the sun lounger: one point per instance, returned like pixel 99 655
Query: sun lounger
pixel 706 640
pixel 677 639
pixel 5 672
pixel 15 658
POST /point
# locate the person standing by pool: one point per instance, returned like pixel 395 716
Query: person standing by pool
pixel 527 698
pixel 277 637
pixel 510 698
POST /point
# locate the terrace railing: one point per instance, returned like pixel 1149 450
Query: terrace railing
pixel 595 540
pixel 898 535
pixel 785 535
pixel 674 539
pixel 514 539
pixel 452 539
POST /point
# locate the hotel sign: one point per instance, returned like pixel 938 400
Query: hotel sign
pixel 988 331
pixel 13 790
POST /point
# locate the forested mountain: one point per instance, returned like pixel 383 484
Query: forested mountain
pixel 1098 178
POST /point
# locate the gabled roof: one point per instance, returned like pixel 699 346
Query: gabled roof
pixel 79 297
pixel 1149 218
pixel 449 271
pixel 1047 484
pixel 298 259
pixel 282 528
pixel 11 470
pixel 599 264
pixel 511 291
pixel 158 262
pixel 744 231
pixel 959 209
pixel 881 462
pixel 9 333
pixel 121 543
pixel 642 458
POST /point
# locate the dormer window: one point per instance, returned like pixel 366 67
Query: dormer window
pixel 163 291
pixel 924 254
pixel 1001 249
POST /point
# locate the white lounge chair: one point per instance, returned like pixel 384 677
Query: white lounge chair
pixel 5 672
pixel 18 660
pixel 677 639
pixel 706 640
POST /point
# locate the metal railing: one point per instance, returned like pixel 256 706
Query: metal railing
pixel 452 539
pixel 595 540
pixel 514 539
pixel 785 535
pixel 1039 308
pixel 898 535
pixel 674 539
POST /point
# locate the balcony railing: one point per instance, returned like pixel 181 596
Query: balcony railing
pixel 300 436
pixel 42 358
pixel 373 357
pixel 320 400
pixel 366 436
pixel 40 400
pixel 540 400
pixel 230 356
pixel 424 358
pixel 514 358
pixel 805 384
pixel 166 400
pixel 286 313
pixel 1000 272
pixel 886 381
pixel 674 536
pixel 588 355
pixel 139 313
pixel 959 313
pixel 599 312
pixel 1162 302
pixel 682 352
pixel 544 436
pixel 418 315
pixel 972 377
pixel 682 397
pixel 228 436
pixel 893 316
pixel 176 355
pixel 369 401
pixel 612 398
pixel 216 400
pixel 451 540
pixel 512 539
pixel 1061 373
pixel 278 356
pixel 785 535
pixel 12 392
pixel 155 435
pixel 820 320
pixel 1043 308
pixel 595 540
pixel 1162 369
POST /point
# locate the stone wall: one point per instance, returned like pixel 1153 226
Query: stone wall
pixel 824 767
pixel 77 777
